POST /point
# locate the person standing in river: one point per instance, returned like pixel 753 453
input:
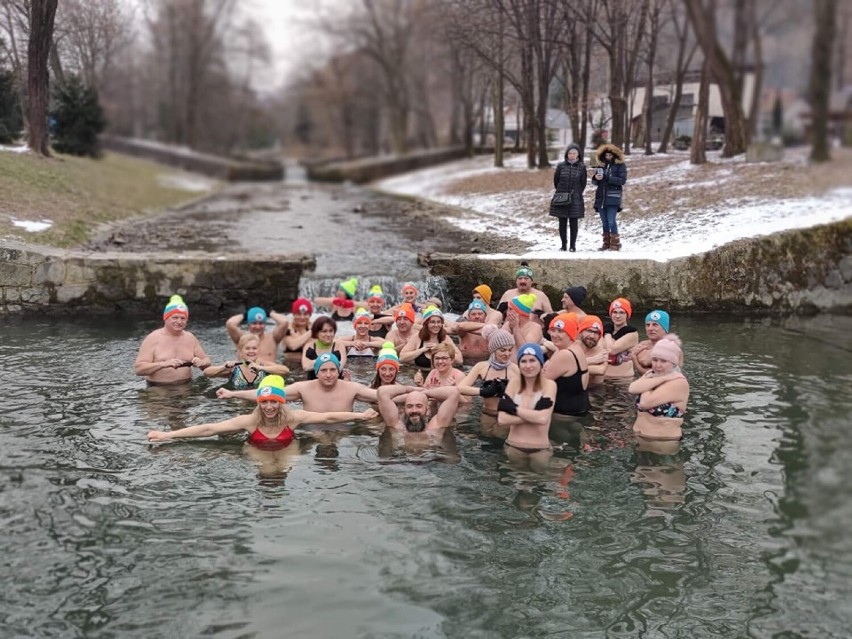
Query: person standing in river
pixel 168 353
pixel 610 176
pixel 255 319
pixel 569 180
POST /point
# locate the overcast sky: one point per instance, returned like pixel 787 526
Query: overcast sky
pixel 288 29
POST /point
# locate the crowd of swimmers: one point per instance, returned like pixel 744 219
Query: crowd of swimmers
pixel 530 366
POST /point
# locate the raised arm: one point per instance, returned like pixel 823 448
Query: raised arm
pixel 233 425
pixel 449 398
pixel 232 325
pixel 311 417
pixel 281 325
pixel 387 404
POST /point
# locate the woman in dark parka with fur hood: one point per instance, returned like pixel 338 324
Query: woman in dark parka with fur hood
pixel 570 177
pixel 608 197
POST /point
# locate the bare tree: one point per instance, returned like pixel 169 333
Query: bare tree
pixel 14 21
pixel 697 154
pixel 620 30
pixel 682 62
pixel 42 15
pixel 703 18
pixel 825 18
pixel 89 34
pixel 655 10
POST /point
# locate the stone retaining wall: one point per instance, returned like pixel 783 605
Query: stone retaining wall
pixel 45 280
pixel 361 171
pixel 222 168
pixel 805 270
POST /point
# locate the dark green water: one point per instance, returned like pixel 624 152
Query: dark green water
pixel 743 533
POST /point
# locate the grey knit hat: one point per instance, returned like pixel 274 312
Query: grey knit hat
pixel 500 339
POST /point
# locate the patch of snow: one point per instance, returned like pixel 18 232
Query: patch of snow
pixel 661 238
pixel 14 149
pixel 191 183
pixel 32 227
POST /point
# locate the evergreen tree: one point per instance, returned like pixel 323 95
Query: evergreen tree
pixel 77 118
pixel 11 121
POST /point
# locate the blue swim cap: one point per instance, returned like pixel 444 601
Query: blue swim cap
pixel 478 305
pixel 255 314
pixel 531 349
pixel 324 359
pixel 660 317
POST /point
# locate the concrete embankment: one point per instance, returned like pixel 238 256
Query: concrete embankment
pixel 805 270
pixel 46 280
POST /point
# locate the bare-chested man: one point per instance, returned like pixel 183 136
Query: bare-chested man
pixel 403 328
pixel 168 354
pixel 657 324
pixel 326 393
pixel 255 317
pixel 597 357
pixel 483 292
pixel 518 321
pixel 469 330
pixel 415 416
pixel 524 286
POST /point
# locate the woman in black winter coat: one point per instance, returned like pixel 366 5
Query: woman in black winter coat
pixel 569 177
pixel 609 177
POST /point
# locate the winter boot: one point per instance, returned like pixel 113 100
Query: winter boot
pixel 615 242
pixel 606 242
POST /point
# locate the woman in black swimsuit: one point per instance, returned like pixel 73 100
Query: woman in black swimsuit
pixel 567 367
pixel 431 334
pixel 322 341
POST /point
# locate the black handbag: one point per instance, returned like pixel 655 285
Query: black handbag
pixel 561 199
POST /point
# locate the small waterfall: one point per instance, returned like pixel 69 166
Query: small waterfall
pixel 428 285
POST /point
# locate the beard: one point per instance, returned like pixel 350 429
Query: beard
pixel 415 423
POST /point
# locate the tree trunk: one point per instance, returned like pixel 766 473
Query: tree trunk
pixel 825 16
pixel 697 154
pixel 757 89
pixel 704 23
pixel 681 66
pixel 499 86
pixel 42 15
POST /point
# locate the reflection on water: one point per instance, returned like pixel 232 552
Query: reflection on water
pixel 739 530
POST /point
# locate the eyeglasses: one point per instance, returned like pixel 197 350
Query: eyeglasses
pixel 258 323
pixel 441 358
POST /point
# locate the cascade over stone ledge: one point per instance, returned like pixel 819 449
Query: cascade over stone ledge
pixel 805 270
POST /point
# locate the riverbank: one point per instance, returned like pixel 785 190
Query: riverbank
pixel 61 201
pixel 671 208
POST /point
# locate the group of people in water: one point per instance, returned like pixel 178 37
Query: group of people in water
pixel 532 367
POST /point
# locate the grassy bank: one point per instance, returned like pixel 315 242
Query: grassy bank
pixel 78 194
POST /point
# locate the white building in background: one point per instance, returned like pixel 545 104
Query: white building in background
pixel 684 123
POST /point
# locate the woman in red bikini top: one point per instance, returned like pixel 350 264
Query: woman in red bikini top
pixel 270 425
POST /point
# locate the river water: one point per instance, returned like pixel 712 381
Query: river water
pixel 741 533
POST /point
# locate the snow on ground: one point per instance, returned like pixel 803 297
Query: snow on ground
pixel 663 237
pixel 181 182
pixel 30 226
pixel 14 149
